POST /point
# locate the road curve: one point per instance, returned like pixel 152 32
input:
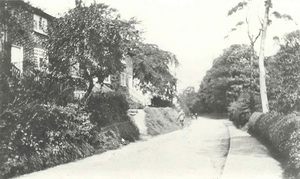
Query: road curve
pixel 197 151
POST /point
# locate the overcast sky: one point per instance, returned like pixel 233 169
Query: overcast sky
pixel 193 30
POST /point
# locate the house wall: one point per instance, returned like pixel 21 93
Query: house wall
pixel 28 39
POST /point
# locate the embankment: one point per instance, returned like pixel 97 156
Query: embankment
pixel 162 120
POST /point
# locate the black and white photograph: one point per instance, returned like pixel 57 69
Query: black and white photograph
pixel 149 89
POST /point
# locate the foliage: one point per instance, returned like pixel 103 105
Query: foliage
pixel 282 133
pixel 91 41
pixel 36 136
pixel 284 69
pixel 109 110
pixel 151 66
pixel 239 110
pixel 228 77
pixel 11 16
pixel 239 6
pixel 157 101
pixel 261 32
pixel 106 108
pixel 187 100
pixel 40 87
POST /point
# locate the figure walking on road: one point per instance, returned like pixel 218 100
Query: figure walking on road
pixel 181 118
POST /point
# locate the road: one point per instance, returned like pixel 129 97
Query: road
pixel 197 151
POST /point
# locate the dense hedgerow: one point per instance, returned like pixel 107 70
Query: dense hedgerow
pixel 239 111
pixel 110 110
pixel 283 133
pixel 36 136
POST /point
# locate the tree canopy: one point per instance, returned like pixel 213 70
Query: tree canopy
pixel 90 39
pixel 284 70
pixel 152 69
pixel 226 80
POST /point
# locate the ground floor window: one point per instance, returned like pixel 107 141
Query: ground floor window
pixel 40 58
pixel 17 57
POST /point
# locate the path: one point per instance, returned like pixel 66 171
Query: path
pixel 197 151
pixel 194 152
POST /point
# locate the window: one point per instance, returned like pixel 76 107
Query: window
pixel 107 80
pixel 123 79
pixel 17 57
pixel 79 94
pixel 40 58
pixel 40 24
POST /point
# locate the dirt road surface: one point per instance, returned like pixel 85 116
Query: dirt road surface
pixel 197 151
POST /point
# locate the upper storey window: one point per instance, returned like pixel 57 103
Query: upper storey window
pixel 40 24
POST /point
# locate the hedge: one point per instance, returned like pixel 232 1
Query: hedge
pixel 36 136
pixel 282 132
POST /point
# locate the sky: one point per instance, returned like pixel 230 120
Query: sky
pixel 193 30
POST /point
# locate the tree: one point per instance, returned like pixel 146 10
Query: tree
pixel 91 40
pixel 262 72
pixel 228 77
pixel 284 69
pixel 152 69
pixel 253 38
pixel 187 100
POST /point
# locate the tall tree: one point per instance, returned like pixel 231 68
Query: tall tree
pixel 152 69
pixel 90 39
pixel 253 38
pixel 228 77
pixel 262 72
pixel 284 70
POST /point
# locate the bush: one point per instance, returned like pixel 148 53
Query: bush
pixel 282 133
pixel 37 136
pixel 157 101
pixel 239 111
pixel 109 110
pixel 37 133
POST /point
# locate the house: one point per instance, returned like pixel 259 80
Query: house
pixel 26 50
pixel 25 46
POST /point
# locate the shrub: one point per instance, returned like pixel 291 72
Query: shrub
pixel 37 136
pixel 110 110
pixel 239 111
pixel 252 120
pixel 282 133
pixel 157 101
